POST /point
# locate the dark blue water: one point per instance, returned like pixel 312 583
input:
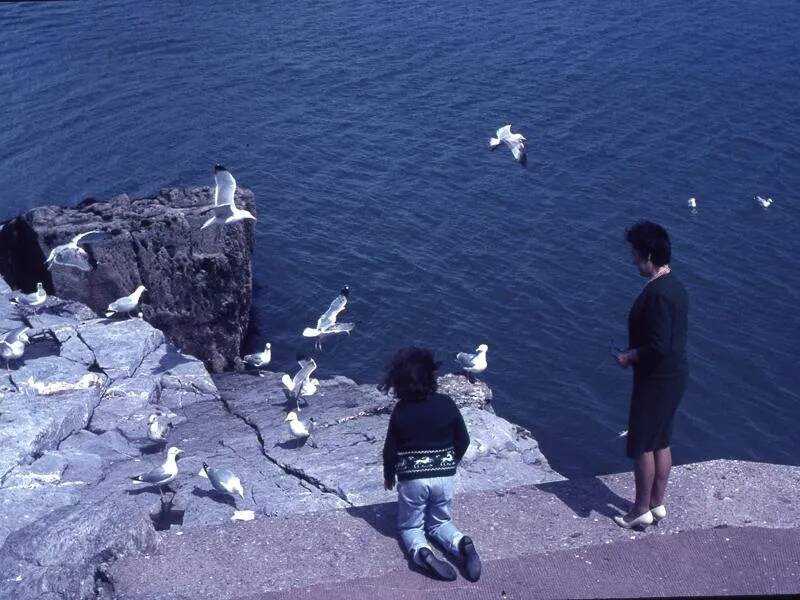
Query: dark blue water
pixel 362 128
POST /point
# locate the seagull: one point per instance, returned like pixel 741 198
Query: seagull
pixel 765 203
pixel 126 304
pixel 12 344
pixel 473 363
pixel 259 360
pixel 222 480
pixel 71 254
pixel 693 204
pixel 302 384
pixel 162 475
pixel 225 211
pixel 623 433
pixel 33 300
pixel 298 429
pixel 326 324
pixel 514 141
pixel 157 430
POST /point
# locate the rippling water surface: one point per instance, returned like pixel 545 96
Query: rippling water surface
pixel 362 129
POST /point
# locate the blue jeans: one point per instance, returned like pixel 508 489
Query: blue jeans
pixel 426 503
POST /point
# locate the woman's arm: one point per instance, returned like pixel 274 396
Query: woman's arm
pixel 658 321
pixel 389 455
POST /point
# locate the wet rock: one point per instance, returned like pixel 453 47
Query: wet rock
pixel 199 282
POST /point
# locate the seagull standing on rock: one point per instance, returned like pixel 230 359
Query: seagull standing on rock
pixel 126 304
pixel 326 324
pixel 514 141
pixel 157 430
pixel 12 344
pixel 222 480
pixel 299 430
pixel 224 207
pixel 33 300
pixel 71 254
pixel 259 360
pixel 473 363
pixel 162 475
pixel 302 384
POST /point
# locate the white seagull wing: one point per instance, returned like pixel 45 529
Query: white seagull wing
pixel 225 188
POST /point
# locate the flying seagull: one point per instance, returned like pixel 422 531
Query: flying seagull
pixel 126 304
pixel 301 384
pixel 326 324
pixel 764 202
pixel 473 363
pixel 12 344
pixel 71 254
pixel 162 475
pixel 157 429
pixel 514 141
pixel 225 211
pixel 299 430
pixel 33 300
pixel 222 480
pixel 259 360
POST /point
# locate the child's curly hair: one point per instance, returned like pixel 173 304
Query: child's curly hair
pixel 411 374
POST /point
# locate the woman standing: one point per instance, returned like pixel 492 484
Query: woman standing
pixel 657 329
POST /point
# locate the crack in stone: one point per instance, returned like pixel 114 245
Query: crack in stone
pixel 297 473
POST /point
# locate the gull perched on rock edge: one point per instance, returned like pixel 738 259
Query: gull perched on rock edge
pixel 12 344
pixel 299 430
pixel 224 207
pixel 222 480
pixel 157 430
pixel 71 254
pixel 764 202
pixel 162 475
pixel 301 384
pixel 514 141
pixel 473 363
pixel 33 300
pixel 126 304
pixel 259 360
pixel 326 324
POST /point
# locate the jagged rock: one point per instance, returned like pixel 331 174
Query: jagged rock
pixel 120 346
pixel 199 282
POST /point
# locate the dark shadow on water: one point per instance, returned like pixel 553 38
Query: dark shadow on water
pixel 214 495
pixel 586 495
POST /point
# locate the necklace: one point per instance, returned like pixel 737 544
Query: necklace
pixel 662 270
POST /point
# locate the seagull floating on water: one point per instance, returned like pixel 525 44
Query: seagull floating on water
pixel 302 384
pixel 71 254
pixel 162 475
pixel 514 141
pixel 224 207
pixel 126 304
pixel 326 324
pixel 12 344
pixel 473 363
pixel 693 204
pixel 259 360
pixel 298 429
pixel 222 480
pixel 764 202
pixel 33 300
pixel 158 429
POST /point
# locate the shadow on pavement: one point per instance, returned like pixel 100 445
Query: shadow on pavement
pixel 588 494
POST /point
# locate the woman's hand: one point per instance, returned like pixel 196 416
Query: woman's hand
pixel 388 484
pixel 626 358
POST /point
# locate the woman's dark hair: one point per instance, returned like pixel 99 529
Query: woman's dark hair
pixel 650 240
pixel 411 374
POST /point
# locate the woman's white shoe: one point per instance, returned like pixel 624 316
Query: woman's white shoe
pixel 642 520
pixel 659 512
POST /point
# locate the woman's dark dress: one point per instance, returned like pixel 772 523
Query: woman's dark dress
pixel 657 327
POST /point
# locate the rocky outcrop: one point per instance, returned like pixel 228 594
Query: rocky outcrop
pixel 199 282
pixel 73 430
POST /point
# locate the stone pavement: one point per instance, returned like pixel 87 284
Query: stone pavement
pixel 525 535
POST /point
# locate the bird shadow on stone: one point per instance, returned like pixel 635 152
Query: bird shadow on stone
pixel 150 489
pixel 292 444
pixel 172 359
pixel 154 448
pixel 214 495
pixel 585 495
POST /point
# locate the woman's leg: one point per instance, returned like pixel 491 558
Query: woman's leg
pixel 663 463
pixel 644 474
